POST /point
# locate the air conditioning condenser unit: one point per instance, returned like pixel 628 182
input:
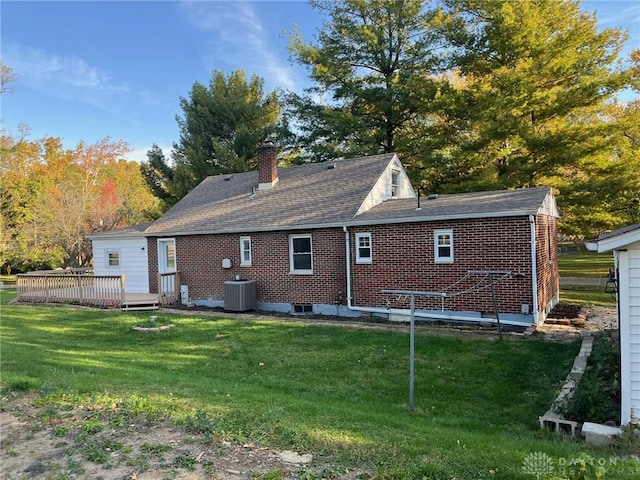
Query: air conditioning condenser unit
pixel 240 295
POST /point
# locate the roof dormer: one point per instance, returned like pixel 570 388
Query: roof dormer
pixel 393 183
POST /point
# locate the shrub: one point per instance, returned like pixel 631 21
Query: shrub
pixel 597 397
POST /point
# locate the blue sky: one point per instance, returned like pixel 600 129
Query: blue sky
pixel 87 69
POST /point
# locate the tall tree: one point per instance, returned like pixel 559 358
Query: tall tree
pixel 53 197
pixel 221 126
pixel 158 176
pixel 373 66
pixel 602 192
pixel 7 77
pixel 536 76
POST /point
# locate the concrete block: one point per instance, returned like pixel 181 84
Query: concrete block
pixel 597 434
pixel 554 422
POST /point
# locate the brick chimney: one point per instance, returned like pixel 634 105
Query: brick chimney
pixel 267 165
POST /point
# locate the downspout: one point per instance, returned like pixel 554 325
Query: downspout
pixel 350 305
pixel 434 316
pixel 534 269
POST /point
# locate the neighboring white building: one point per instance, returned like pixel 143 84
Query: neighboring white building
pixel 123 252
pixel 625 245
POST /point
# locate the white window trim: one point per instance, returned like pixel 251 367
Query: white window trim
pixel 395 187
pixel 291 269
pixel 164 268
pixel 109 252
pixel 243 262
pixel 360 259
pixel 436 251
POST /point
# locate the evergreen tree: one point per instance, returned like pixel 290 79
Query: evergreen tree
pixel 158 176
pixel 373 66
pixel 221 127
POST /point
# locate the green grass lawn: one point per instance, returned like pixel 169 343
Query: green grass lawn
pixel 341 393
pixel 587 296
pixel 7 295
pixel 585 264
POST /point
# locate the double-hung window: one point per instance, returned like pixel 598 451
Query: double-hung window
pixel 395 175
pixel 300 254
pixel 245 251
pixel 363 248
pixel 443 246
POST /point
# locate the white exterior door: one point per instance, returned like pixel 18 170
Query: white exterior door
pixel 167 265
pixel 166 255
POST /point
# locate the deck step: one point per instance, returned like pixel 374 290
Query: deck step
pixel 129 307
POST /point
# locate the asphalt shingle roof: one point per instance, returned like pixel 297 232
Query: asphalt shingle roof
pixel 305 196
pixel 619 231
pixel 131 231
pixel 498 203
pixel 323 194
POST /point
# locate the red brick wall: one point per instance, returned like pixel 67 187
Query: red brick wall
pixel 547 256
pixel 403 258
pixel 199 260
pixel 482 244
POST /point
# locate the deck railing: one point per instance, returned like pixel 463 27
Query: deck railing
pixel 168 288
pixel 69 286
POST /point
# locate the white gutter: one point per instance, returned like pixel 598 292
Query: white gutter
pixel 435 316
pixel 340 223
pixel 591 245
pixel 534 270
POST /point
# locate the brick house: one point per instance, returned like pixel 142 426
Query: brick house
pixel 329 237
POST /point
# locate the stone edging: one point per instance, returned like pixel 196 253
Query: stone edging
pixel 553 419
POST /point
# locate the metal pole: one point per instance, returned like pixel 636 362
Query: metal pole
pixel 412 351
pixel 495 307
pixel 412 332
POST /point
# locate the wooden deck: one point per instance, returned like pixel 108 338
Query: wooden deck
pixel 82 289
pixel 90 296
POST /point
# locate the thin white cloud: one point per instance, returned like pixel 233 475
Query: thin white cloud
pixel 615 14
pixel 239 37
pixel 67 77
pixel 149 97
pixel 71 78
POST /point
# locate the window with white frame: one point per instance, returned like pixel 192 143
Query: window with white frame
pixel 300 254
pixel 166 255
pixel 113 258
pixel 443 246
pixel 363 248
pixel 395 175
pixel 245 251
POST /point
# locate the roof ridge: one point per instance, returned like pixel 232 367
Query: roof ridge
pixel 375 157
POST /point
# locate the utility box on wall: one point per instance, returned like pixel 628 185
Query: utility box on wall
pixel 184 294
pixel 240 295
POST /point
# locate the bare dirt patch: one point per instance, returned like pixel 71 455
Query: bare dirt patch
pixel 74 446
